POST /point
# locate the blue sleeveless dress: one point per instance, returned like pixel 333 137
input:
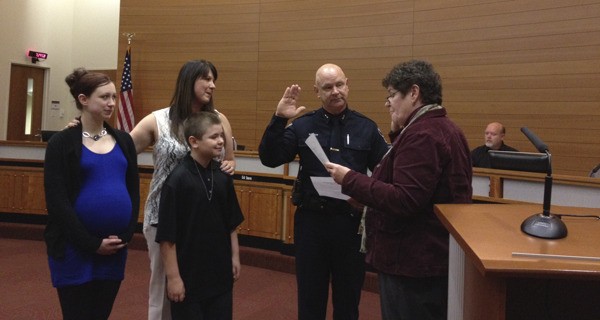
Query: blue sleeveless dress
pixel 104 208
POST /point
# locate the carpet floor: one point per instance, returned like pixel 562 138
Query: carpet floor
pixel 262 293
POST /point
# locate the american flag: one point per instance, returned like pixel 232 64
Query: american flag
pixel 125 119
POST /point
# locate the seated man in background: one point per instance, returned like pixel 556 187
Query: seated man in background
pixel 494 140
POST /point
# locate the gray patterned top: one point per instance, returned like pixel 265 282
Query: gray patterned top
pixel 167 153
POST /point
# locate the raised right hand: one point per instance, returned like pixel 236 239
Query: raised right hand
pixel 287 105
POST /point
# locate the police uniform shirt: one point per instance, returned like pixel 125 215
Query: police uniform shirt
pixel 361 147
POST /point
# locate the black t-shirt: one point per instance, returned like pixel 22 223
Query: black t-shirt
pixel 199 227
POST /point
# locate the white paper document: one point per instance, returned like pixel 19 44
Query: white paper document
pixel 326 187
pixel 315 147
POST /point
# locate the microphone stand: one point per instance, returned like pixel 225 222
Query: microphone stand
pixel 545 225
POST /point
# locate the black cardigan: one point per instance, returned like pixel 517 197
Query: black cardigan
pixel 62 182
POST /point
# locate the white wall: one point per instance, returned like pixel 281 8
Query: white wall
pixel 73 33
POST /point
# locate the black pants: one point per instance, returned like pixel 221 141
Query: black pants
pixel 327 249
pixel 219 307
pixel 404 298
pixel 92 300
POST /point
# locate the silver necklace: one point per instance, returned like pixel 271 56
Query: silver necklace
pixel 95 137
pixel 209 193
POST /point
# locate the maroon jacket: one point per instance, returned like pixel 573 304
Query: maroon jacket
pixel 429 163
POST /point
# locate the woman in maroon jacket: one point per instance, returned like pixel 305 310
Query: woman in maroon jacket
pixel 429 163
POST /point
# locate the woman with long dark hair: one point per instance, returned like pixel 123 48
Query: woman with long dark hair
pixel 164 130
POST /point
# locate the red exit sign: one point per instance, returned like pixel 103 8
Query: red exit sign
pixel 38 55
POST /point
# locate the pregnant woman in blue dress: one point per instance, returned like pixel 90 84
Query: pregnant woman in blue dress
pixel 92 195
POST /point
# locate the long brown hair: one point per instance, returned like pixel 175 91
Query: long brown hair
pixel 181 103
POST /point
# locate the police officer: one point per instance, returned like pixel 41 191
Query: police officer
pixel 325 229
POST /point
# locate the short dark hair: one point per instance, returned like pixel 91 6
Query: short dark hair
pixel 416 72
pixel 81 81
pixel 198 123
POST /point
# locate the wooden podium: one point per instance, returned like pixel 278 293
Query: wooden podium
pixel 499 272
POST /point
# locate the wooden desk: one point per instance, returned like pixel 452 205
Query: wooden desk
pixel 496 284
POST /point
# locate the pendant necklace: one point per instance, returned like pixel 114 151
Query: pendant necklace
pixel 95 137
pixel 209 193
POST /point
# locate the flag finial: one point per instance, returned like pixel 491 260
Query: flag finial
pixel 129 37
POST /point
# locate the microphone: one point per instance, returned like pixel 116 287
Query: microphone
pixel 537 142
pixel 544 225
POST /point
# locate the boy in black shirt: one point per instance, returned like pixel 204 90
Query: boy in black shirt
pixel 199 213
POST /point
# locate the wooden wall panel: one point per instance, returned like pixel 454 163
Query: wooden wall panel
pixel 364 38
pixel 169 33
pixel 525 63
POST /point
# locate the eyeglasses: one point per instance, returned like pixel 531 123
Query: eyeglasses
pixel 388 98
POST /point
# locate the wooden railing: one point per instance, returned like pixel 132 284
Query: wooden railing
pixel 504 186
pixel 265 193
